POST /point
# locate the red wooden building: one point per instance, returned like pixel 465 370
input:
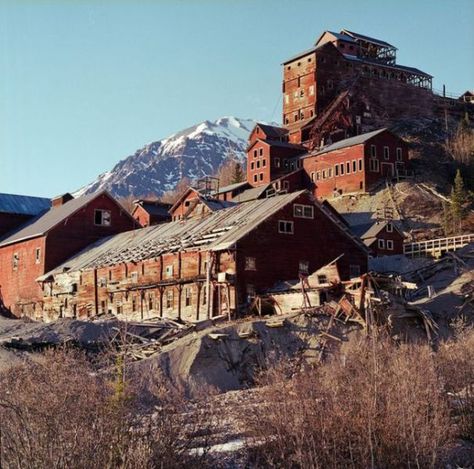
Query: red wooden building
pixel 150 212
pixel 382 238
pixel 45 241
pixel 203 266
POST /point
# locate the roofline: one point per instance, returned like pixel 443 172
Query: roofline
pixel 43 233
pixel 182 196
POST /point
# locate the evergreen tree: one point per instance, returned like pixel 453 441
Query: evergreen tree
pixel 237 173
pixel 458 200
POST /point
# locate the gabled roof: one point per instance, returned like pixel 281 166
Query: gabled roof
pixel 23 204
pixel 341 36
pixel 276 143
pixel 272 130
pixel 362 37
pixel 231 187
pixel 44 222
pixel 183 196
pixel 217 231
pixel 153 207
pixel 348 142
pixel 251 194
pixel 368 232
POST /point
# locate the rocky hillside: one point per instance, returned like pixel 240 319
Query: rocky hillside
pixel 192 153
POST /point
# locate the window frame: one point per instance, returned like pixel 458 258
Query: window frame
pixel 389 244
pixel 102 211
pixel 284 224
pixel 381 243
pixel 386 153
pixel 309 209
pixel 250 264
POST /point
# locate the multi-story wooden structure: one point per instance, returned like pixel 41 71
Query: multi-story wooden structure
pixel 203 266
pixel 150 212
pixel 45 241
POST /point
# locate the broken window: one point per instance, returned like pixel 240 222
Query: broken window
pixel 285 227
pixel 303 267
pixel 374 165
pixel 169 299
pixel 150 301
pixel 102 217
pixel 322 279
pixel 15 261
pixel 354 166
pixel 399 154
pixel 187 296
pixel 255 153
pixel 303 211
pixel 258 164
pixel 134 304
pixel 264 163
pixel 255 178
pixel 373 151
pixel 250 263
pixel 386 153
pixel 390 244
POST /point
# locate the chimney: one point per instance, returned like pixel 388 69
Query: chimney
pixel 61 199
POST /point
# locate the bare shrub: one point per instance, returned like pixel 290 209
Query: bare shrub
pixel 375 406
pixel 61 413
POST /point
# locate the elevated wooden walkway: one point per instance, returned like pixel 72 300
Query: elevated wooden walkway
pixel 437 247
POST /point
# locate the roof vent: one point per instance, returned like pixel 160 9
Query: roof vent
pixel 61 199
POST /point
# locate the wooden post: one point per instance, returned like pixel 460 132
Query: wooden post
pixel 96 294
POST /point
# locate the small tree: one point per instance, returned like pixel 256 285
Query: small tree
pixel 238 174
pixel 458 201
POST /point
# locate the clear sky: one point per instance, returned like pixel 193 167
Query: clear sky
pixel 84 84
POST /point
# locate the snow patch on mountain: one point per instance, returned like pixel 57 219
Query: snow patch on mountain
pixel 193 153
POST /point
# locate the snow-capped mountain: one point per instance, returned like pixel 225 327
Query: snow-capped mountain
pixel 192 153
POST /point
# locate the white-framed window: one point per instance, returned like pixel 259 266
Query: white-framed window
pixel 348 167
pixel 15 260
pixel 324 174
pixel 318 175
pixel 354 270
pixel 360 165
pixel 102 217
pixel 303 267
pixel 322 279
pixel 399 154
pixel 313 176
pixel 285 227
pixel 303 211
pixel 354 166
pixel 264 163
pixel 37 255
pixel 169 298
pixel 255 178
pixel 261 151
pixel 389 244
pixel 286 185
pixel 250 263
pixel 341 169
pixel 187 296
pixel 373 151
pixel 389 228
pixel 261 176
pixel 336 170
pixel 252 165
pixel 255 153
pixel 386 153
pixel 169 271
pixel 374 165
pixel 381 243
pixel 329 172
pixel 258 164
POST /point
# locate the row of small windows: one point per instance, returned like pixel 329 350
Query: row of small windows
pixel 385 244
pixel 258 152
pixel 258 163
pixel 300 115
pixel 308 60
pixel 298 94
pixel 339 170
pixel 258 177
pixel 386 152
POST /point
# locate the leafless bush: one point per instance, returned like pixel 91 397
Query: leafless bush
pixel 375 406
pixel 60 413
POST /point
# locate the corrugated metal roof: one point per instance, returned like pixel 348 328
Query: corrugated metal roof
pixel 219 230
pixel 23 204
pixel 251 194
pixel 44 222
pixel 348 142
pixel 273 130
pixel 231 187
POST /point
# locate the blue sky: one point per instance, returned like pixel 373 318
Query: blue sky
pixel 84 84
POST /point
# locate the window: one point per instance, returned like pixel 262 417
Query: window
pixel 318 175
pixel 261 176
pixel 341 167
pixel 261 152
pixel 250 263
pixel 354 166
pixel 303 211
pixel 303 267
pixel 250 291
pixel 373 151
pixel 255 153
pixel 102 217
pixel 348 167
pixel 134 304
pixel 330 173
pixel 311 90
pixel 187 203
pixel 324 174
pixel 134 276
pixel 389 244
pixel 110 275
pixel 389 228
pixel 187 296
pixel 313 177
pixel 354 270
pixel 150 302
pixel 330 84
pixel 360 165
pixel 102 282
pixel 381 243
pixel 169 271
pixel 204 295
pixel 276 162
pixel 169 299
pixel 399 154
pixel 322 279
pixel 37 255
pixel 15 261
pixel 252 165
pixel 374 165
pixel 286 185
pixel 285 227
pixel 386 153
pixel 336 170
pixel 255 178
pixel 264 163
pixel 258 164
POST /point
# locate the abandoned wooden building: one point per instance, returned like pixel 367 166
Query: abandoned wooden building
pixel 203 266
pixel 382 237
pixel 150 212
pixel 44 241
